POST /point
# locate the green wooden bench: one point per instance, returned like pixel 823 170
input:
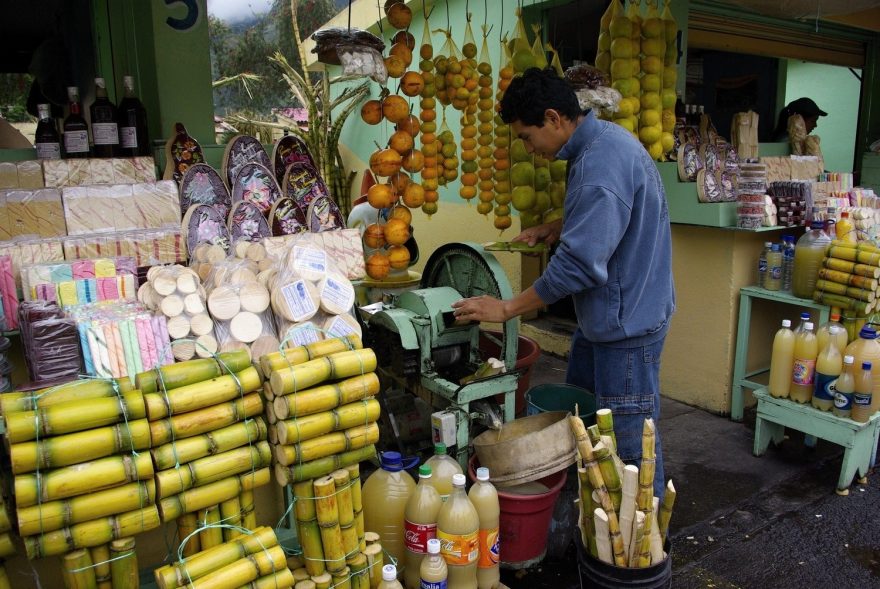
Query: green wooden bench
pixel 858 439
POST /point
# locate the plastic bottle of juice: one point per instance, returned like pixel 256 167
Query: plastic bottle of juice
pixel 829 364
pixel 458 528
pixel 805 318
pixel 389 578
pixel 385 494
pixel 443 466
pixel 846 231
pixel 484 496
pixel 781 361
pixel 808 254
pixel 434 572
pixel 846 386
pixel 867 349
pixel 420 525
pixel 803 371
pixel 773 280
pixel 822 334
pixel 861 408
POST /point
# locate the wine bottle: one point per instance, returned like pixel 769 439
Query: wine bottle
pixel 46 138
pixel 76 131
pixel 105 134
pixel 132 119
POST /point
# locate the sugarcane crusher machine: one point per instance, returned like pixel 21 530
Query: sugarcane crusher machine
pixel 422 348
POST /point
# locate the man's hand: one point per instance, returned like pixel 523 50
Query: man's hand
pixel 547 233
pixel 482 308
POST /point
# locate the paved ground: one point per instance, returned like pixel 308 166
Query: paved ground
pixel 743 521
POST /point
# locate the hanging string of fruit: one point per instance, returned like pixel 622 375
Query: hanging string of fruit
pixel 501 139
pixel 603 46
pixel 620 30
pixel 486 128
pixel 670 76
pixel 428 116
pixel 466 98
pixel 653 45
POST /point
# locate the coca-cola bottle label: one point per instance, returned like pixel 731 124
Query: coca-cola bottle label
pixel 416 536
pixel 490 548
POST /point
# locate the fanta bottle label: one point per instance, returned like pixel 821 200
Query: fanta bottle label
pixel 490 548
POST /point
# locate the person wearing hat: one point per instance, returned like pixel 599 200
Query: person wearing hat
pixel 805 107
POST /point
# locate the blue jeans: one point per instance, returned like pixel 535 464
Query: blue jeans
pixel 627 381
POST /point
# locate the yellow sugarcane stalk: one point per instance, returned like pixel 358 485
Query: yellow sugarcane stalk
pixel 279 580
pixel 609 474
pixel 328 445
pixel 212 468
pixel 291 431
pixel 645 497
pixel 245 570
pixel 4 578
pixel 666 510
pixel 375 561
pixel 77 571
pixel 854 255
pixel 844 302
pixel 307 527
pixel 638 532
pixel 333 367
pixel 81 478
pixel 211 533
pixel 845 278
pixel 299 354
pixel 841 289
pixel 605 424
pixel 181 573
pixel 360 576
pixel 92 533
pixel 198 498
pixel 202 394
pixel 205 420
pixel 586 523
pixel 7 548
pixel 341 578
pixel 271 418
pixel 192 371
pixel 230 514
pixel 300 574
pixel 249 508
pixel 80 447
pixel 285 475
pixel 342 481
pixel 55 515
pixel 249 431
pixel 585 447
pixel 190 542
pixel 124 566
pixel 326 397
pixel 73 416
pixel 100 556
pixel 87 388
pixel 323 581
pixel 357 504
pixel 851 267
pixel 327 512
pixel 861 246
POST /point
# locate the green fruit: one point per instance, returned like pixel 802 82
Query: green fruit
pixel 650 135
pixel 621 48
pixel 523 198
pixel 620 68
pixel 557 194
pixel 604 41
pixel 655 47
pixel 620 27
pixel 553 215
pixel 652 65
pixel 603 62
pixel 649 118
pixel 529 219
pixel 650 100
pixel 542 178
pixel 542 202
pixel 651 83
pixel 523 60
pixel 653 28
pixel 518 152
pixel 667 98
pixel 558 170
pixel 522 174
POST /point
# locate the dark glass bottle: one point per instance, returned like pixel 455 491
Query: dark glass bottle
pixel 76 131
pixel 46 138
pixel 132 119
pixel 105 134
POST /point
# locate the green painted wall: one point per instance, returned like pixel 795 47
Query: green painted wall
pixel 838 95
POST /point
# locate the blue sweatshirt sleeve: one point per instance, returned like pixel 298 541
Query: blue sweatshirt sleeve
pixel 594 223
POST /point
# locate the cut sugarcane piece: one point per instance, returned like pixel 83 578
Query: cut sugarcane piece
pixel 78 571
pixel 203 394
pixel 350 544
pixel 123 564
pixel 224 303
pixel 186 373
pixel 92 533
pixel 317 424
pixel 54 515
pixel 514 246
pixel 603 539
pixel 609 474
pixel 246 327
pixel 375 561
pixel 181 573
pixel 360 576
pixel 178 327
pixel 605 423
pixel 854 255
pixel 325 581
pixel 217 442
pixel 201 324
pixel 254 297
pixel 327 512
pixel 638 532
pixel 656 542
pixel 357 505
pixel 285 475
pixel 101 561
pixel 308 528
pixel 844 302
pixel 206 346
pixel 210 534
pixel 645 496
pixel 336 366
pixel 297 355
pixel 845 278
pixel 857 293
pixel 213 468
pixel 628 504
pixel 230 513
pixel 371 538
pixel 7 548
pixel 197 498
pixel 586 507
pixel 245 570
pixel 851 267
pixel 279 580
pixel 190 542
pixel 341 578
pixel 171 306
pixel 80 447
pixel 328 445
pixel 77 389
pixel 205 420
pixel 666 509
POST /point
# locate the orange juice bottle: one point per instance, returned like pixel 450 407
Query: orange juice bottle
pixel 781 361
pixel 420 525
pixel 843 391
pixel 485 499
pixel 829 364
pixel 443 466
pixel 385 494
pixel 823 333
pixel 846 231
pixel 434 572
pixel 867 349
pixel 389 578
pixel 861 409
pixel 803 372
pixel 458 526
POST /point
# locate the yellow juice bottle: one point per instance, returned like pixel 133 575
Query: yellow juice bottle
pixel 861 409
pixel 803 372
pixel 458 528
pixel 781 361
pixel 829 364
pixel 823 335
pixel 843 392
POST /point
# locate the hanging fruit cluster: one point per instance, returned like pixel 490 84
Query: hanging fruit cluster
pixel 431 171
pixel 670 76
pixel 485 117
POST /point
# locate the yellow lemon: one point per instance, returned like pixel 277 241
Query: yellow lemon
pixel 667 98
pixel 620 69
pixel 652 64
pixel 620 27
pixel 649 117
pixel 650 135
pixel 624 108
pixel 625 123
pixel 667 141
pixel 668 120
pixel 650 100
pixel 650 83
pixel 655 150
pixel 523 198
pixel 621 48
pixel 655 47
pixel 653 28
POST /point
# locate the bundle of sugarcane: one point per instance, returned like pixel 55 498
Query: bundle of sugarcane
pixel 7 548
pixel 849 277
pixel 323 412
pixel 254 559
pixel 79 481
pixel 109 566
pixel 620 520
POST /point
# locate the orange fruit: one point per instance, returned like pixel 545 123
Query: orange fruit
pixel 406 38
pixel 431 196
pixel 401 142
pixel 395 108
pixel 469 179
pixel 399 15
pixel 374 236
pixel 413 195
pixel 429 208
pixel 396 231
pixel 401 213
pixel 467 192
pixel 398 257
pixel 412 83
pixel 371 112
pixel 399 181
pixel 410 124
pixel 385 162
pixel 414 161
pixel 426 51
pixel 502 223
pixel 378 266
pixel 395 66
pixel 401 51
pixel 380 196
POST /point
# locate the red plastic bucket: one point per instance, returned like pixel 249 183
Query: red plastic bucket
pixel 527 353
pixel 525 520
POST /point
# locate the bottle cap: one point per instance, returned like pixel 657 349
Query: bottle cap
pixel 835 316
pixel 439 448
pixel 425 471
pixel 458 480
pixel 866 366
pixel 482 474
pixel 786 323
pixel 844 215
pixel 868 333
pixel 389 572
pixel 848 359
pixel 808 326
pixel 805 315
pixel 433 546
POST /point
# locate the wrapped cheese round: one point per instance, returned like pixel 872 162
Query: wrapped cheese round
pixel 254 297
pixel 246 327
pixel 201 324
pixel 265 344
pixel 341 326
pixel 300 333
pixel 183 350
pixel 309 262
pixel 178 327
pixel 171 306
pixel 193 304
pixel 223 302
pixel 337 294
pixel 206 346
pixel 296 301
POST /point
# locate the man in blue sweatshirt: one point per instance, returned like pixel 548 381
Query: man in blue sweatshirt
pixel 614 256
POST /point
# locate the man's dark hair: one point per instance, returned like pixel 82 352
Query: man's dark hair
pixel 530 95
